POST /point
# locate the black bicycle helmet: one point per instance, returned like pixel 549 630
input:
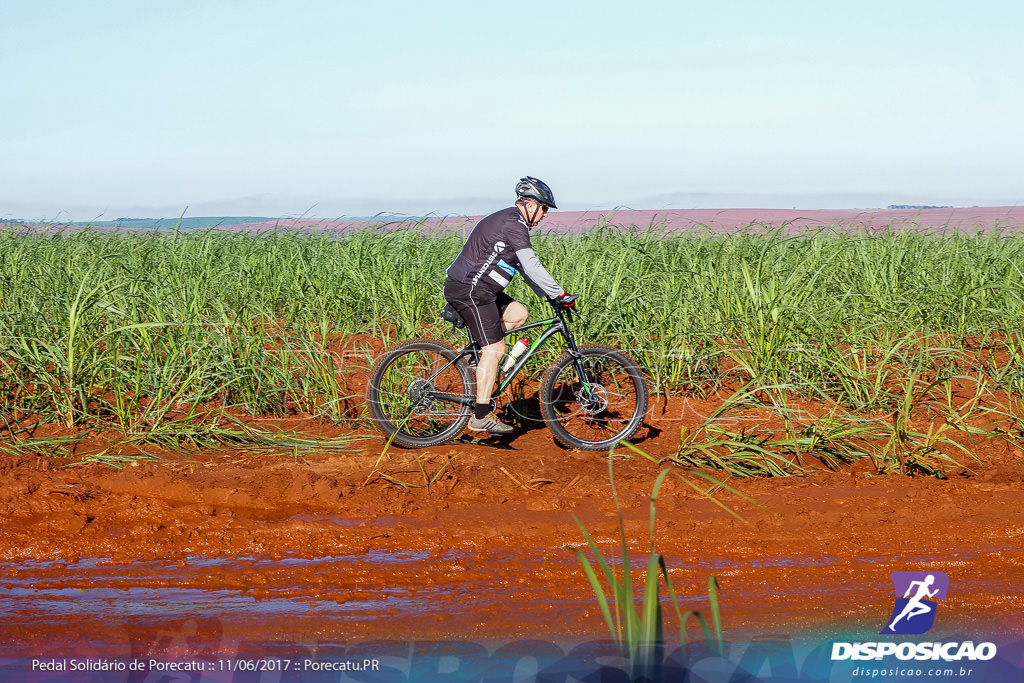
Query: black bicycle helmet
pixel 531 188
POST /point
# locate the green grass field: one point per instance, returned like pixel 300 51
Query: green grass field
pixel 170 338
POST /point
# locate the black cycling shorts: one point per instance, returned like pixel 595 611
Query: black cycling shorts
pixel 481 308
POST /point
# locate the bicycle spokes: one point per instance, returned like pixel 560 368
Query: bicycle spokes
pixel 407 386
pixel 596 399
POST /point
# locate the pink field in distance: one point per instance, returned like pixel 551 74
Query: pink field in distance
pixel 959 219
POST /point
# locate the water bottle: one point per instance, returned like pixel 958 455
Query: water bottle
pixel 517 350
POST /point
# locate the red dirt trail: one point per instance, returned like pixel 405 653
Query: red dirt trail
pixel 242 547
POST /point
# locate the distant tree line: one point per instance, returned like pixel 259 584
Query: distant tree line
pixel 917 206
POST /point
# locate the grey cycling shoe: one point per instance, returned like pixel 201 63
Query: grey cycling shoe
pixel 490 424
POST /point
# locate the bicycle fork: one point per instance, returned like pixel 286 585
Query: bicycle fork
pixel 577 362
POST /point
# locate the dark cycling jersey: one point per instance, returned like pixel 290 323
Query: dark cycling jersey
pixel 498 247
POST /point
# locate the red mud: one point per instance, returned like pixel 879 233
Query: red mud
pixel 274 548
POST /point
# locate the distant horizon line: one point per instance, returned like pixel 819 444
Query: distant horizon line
pixel 238 219
pixel 268 206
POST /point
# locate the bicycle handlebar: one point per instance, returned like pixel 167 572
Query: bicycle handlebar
pixel 563 305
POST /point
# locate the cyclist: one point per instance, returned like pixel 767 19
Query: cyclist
pixel 497 248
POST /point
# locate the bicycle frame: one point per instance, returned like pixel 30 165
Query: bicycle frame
pixel 558 325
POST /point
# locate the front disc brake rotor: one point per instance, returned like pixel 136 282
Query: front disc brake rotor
pixel 592 399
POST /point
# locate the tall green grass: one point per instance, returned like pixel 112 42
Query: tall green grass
pixel 143 330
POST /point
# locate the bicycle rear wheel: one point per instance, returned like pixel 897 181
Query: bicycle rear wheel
pixel 598 415
pixel 402 392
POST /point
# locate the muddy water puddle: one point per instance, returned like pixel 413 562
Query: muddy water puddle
pixel 393 592
pixel 205 586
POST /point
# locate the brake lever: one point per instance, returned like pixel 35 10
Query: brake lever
pixel 562 308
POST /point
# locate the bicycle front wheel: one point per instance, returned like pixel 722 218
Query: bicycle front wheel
pixel 598 413
pixel 403 393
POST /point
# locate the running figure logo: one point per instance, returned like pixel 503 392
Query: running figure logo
pixel 914 613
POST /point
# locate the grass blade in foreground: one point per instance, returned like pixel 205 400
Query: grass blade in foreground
pixel 639 635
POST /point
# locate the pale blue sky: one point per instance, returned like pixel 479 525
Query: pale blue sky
pixel 124 108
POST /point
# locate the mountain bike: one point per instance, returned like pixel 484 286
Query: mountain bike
pixel 421 392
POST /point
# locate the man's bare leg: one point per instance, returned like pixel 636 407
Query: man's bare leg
pixel 514 316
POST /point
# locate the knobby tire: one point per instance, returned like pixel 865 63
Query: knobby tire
pixel 398 393
pixel 617 414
